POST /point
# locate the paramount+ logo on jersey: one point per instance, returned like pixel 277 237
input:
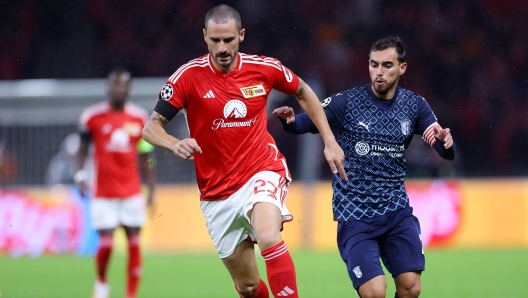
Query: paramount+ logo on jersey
pixel 233 110
pixel 253 91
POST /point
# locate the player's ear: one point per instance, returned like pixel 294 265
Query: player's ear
pixel 403 68
pixel 205 35
pixel 242 34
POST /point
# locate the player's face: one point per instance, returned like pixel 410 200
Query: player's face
pixel 119 87
pixel 223 41
pixel 385 71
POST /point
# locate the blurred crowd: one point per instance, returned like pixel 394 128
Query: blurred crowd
pixel 468 58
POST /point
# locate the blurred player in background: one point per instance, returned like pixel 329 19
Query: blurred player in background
pixel 114 128
pixel 241 175
pixel 376 123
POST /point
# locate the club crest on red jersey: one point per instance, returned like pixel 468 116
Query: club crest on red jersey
pixel 253 91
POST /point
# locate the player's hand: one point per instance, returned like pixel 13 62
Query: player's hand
pixel 443 134
pixel 186 148
pixel 285 113
pixel 336 158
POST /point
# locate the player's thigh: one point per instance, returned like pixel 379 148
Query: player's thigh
pixel 242 265
pixel 104 213
pixel 226 224
pixel 361 257
pixel 132 211
pixel 266 208
pixel 401 249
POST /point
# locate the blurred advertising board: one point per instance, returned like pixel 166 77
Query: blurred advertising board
pixel 453 214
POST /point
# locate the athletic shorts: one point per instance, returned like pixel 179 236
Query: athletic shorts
pixel 227 220
pixel 109 213
pixel 395 238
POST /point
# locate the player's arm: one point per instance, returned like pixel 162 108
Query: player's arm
pixel 154 132
pixel 311 105
pixel 81 176
pixel 433 134
pixel 333 106
pixel 147 165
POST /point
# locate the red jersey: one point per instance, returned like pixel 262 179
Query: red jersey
pixel 226 114
pixel 115 137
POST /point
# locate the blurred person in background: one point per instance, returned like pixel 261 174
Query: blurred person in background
pixel 376 124
pixel 114 128
pixel 241 175
pixel 8 162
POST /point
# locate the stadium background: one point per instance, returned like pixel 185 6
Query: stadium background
pixel 469 59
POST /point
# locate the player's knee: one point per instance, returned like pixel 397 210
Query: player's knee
pixel 410 291
pixel 268 238
pixel 247 288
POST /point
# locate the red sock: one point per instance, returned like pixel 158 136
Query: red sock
pixel 280 271
pixel 103 255
pixel 260 292
pixel 134 265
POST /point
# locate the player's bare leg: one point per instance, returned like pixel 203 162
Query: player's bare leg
pixel 374 288
pixel 242 266
pixel 266 221
pixel 408 285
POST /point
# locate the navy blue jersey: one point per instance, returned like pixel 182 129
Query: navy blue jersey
pixel 374 135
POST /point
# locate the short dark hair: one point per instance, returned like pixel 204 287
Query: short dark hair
pixel 119 70
pixel 221 14
pixel 390 42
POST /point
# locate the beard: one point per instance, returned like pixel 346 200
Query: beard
pixel 383 90
pixel 224 60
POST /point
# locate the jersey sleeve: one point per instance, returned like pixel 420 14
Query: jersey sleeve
pixel 334 108
pixel 282 78
pixel 172 97
pixel 426 121
pixel 84 123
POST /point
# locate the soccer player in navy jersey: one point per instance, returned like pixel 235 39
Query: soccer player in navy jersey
pixel 376 123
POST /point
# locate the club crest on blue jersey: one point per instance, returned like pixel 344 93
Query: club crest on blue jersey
pixel 405 125
pixel 326 101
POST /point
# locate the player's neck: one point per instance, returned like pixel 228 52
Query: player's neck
pixel 118 107
pixel 387 96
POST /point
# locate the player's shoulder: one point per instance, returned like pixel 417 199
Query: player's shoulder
pixel 94 110
pixel 190 68
pixel 353 92
pixel 248 60
pixel 409 94
pixel 135 110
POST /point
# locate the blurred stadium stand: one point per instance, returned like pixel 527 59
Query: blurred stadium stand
pixel 469 59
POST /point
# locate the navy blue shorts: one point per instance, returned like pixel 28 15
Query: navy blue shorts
pixel 395 238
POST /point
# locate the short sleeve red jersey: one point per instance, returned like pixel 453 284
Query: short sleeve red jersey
pixel 226 114
pixel 115 136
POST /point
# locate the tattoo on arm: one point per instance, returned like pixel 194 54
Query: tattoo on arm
pixel 157 117
pixel 300 88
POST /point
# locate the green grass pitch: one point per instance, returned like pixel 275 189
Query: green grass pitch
pixel 449 273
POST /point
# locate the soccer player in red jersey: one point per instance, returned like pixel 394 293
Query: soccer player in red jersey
pixel 241 175
pixel 114 128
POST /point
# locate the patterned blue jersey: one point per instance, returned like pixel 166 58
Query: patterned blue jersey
pixel 374 135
